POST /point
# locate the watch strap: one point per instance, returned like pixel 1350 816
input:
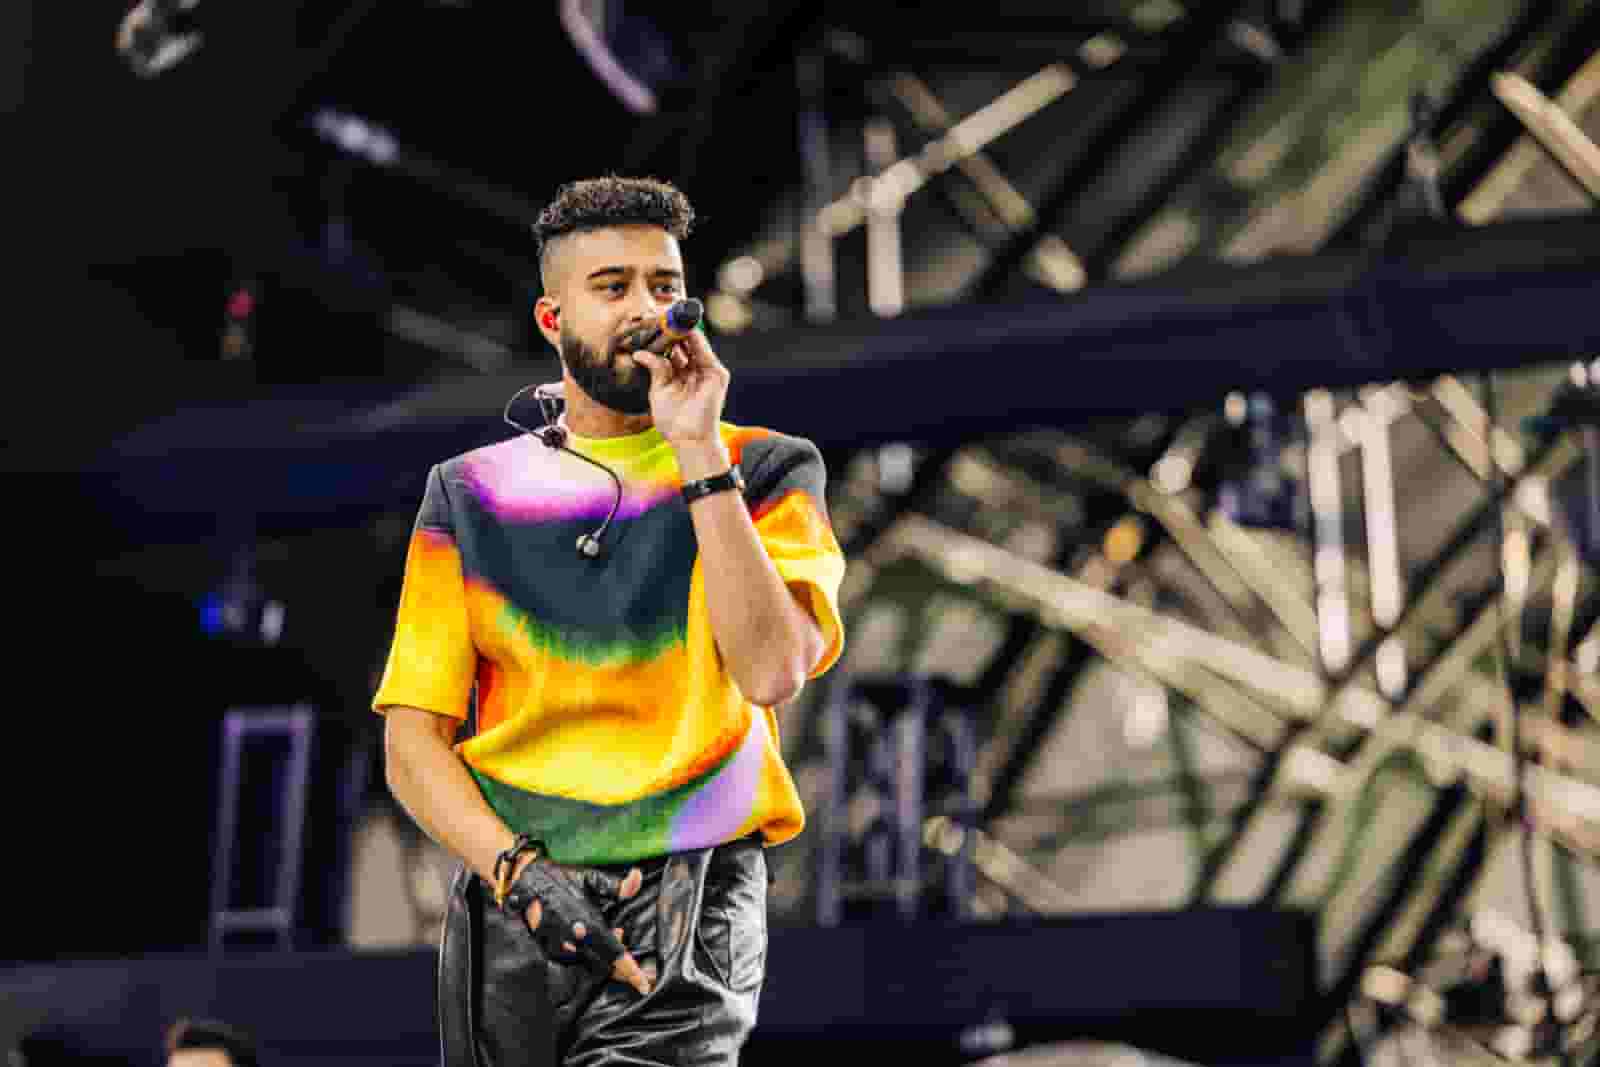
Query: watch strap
pixel 732 478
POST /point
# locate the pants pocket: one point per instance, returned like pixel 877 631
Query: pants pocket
pixel 731 937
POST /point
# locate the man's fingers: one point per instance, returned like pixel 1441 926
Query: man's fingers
pixel 556 923
pixel 658 366
pixel 626 969
pixel 664 368
pixel 698 348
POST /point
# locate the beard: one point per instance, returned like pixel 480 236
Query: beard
pixel 618 383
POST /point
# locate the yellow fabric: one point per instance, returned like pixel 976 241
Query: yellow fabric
pixel 807 556
pixel 432 661
pixel 609 730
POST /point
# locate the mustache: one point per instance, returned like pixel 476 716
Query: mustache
pixel 627 340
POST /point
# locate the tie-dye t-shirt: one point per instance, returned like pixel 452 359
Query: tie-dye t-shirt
pixel 607 725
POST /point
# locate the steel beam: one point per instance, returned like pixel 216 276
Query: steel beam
pixel 1470 87
pixel 1162 642
pixel 1191 46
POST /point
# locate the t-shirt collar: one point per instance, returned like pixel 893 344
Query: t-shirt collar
pixel 627 446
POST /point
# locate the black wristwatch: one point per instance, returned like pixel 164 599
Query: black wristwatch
pixel 728 479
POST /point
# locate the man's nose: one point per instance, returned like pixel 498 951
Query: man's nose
pixel 642 306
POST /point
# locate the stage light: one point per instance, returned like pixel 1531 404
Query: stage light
pixel 741 275
pixel 239 607
pixel 1153 16
pixel 987 1039
pixel 1102 50
pixel 897 466
pixel 728 313
pixel 1123 540
pixel 238 340
pixel 1235 408
pixel 357 136
pixel 241 304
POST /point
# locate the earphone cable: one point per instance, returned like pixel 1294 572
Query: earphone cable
pixel 555 436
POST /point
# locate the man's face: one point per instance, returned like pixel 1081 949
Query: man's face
pixel 199 1057
pixel 608 282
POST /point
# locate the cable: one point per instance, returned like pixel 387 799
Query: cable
pixel 554 436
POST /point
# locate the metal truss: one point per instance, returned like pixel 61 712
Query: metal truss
pixel 1157 96
pixel 1339 667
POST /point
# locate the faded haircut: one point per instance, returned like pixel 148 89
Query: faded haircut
pixel 239 1045
pixel 595 203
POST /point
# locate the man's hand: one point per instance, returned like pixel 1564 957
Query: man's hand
pixel 433 784
pixel 688 387
pixel 572 920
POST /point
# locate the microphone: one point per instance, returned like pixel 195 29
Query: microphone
pixel 675 323
pixel 553 435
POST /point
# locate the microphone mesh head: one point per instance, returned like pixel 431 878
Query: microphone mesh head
pixel 685 315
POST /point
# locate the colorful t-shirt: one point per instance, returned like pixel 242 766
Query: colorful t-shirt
pixel 606 723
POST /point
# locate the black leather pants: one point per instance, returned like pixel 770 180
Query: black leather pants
pixel 697 926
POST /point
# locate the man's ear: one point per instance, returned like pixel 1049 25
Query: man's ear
pixel 547 316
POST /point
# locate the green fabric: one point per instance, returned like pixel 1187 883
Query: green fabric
pixel 576 831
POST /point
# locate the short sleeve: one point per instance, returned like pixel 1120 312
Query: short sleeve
pixel 432 661
pixel 785 491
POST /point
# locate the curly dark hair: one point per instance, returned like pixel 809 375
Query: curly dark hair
pixel 611 201
pixel 239 1045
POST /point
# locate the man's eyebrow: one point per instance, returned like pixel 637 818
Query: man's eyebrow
pixel 657 272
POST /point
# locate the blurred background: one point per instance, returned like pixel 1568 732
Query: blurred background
pixel 1209 395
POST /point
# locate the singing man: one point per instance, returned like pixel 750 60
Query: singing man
pixel 620 776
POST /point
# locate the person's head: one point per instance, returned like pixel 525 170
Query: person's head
pixel 609 260
pixel 208 1043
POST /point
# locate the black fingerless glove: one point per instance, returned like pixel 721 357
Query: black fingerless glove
pixel 560 894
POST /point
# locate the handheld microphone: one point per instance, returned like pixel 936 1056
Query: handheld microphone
pixel 675 323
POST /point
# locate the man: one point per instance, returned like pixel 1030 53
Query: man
pixel 208 1043
pixel 611 805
